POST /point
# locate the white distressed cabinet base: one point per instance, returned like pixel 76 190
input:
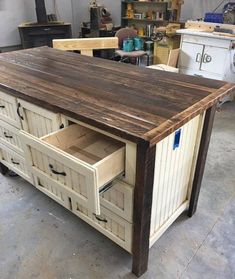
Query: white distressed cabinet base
pixel 91 172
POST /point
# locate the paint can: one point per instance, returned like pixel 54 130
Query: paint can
pixel 138 43
pixel 128 45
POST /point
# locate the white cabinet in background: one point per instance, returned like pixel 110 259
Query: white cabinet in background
pixel 207 56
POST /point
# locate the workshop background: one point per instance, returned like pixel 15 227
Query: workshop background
pixel 14 12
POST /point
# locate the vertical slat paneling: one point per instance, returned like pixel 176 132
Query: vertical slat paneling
pixel 39 122
pixel 172 174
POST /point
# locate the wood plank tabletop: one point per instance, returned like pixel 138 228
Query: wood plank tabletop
pixel 135 103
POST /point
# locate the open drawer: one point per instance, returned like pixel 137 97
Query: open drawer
pixel 77 158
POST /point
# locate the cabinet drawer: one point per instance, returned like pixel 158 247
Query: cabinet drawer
pixel 15 162
pixel 119 199
pixel 8 110
pixel 77 158
pixel 108 223
pixel 38 121
pixel 9 135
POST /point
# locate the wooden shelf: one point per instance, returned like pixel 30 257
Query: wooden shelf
pixel 144 19
pixel 143 2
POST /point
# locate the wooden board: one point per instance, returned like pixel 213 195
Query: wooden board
pixel 86 45
pixel 131 102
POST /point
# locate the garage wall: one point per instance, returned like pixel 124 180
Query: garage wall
pixel 13 12
pixel 195 9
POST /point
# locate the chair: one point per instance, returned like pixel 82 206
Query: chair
pixel 122 34
pixel 86 46
pixel 171 63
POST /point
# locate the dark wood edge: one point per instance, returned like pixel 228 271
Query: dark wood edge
pixel 142 207
pixel 168 127
pixel 201 160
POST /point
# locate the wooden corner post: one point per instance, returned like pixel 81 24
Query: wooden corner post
pixel 142 206
pixel 201 160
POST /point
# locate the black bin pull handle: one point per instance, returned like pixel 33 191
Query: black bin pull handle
pixel 2 106
pixel 18 111
pixel 100 218
pixel 56 172
pixel 13 162
pixel 6 136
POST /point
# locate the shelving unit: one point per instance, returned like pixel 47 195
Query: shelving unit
pixel 148 11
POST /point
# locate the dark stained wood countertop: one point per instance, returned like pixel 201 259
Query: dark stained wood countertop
pixel 135 103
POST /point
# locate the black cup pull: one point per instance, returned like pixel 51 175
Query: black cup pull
pixel 2 106
pixel 100 219
pixel 56 172
pixel 13 162
pixel 6 136
pixel 18 111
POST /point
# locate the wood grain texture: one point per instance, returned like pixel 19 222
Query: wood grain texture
pixel 142 207
pixel 201 160
pixel 131 102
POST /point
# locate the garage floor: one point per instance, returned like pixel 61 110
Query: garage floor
pixel 40 239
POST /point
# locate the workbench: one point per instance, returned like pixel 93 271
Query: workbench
pixel 122 147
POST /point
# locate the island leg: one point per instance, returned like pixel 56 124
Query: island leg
pixel 201 160
pixel 3 169
pixel 142 207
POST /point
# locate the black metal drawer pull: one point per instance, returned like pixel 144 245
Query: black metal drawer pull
pixel 100 219
pixel 13 162
pixel 56 172
pixel 18 111
pixel 2 106
pixel 6 136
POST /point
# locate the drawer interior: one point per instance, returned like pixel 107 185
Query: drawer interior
pixel 84 143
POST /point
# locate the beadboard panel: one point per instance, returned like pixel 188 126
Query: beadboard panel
pixel 172 177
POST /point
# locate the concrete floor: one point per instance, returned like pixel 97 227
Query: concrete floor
pixel 40 239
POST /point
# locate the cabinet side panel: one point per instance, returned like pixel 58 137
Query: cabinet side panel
pixel 172 176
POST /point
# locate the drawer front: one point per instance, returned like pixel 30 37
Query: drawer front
pixel 207 41
pixel 199 73
pixel 53 190
pixel 64 169
pixel 8 110
pixel 108 223
pixel 15 162
pixel 119 199
pixel 79 178
pixel 9 136
pixel 38 121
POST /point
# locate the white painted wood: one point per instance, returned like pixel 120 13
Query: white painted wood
pixel 14 162
pixel 60 160
pixel 172 176
pixel 216 56
pixel 195 155
pixel 86 178
pixel 168 223
pixel 38 121
pixel 116 228
pixel 9 136
pixel 199 73
pixel 119 199
pixel 191 55
pixel 197 38
pixel 8 109
pixel 219 58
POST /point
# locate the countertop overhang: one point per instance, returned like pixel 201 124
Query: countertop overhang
pixel 138 104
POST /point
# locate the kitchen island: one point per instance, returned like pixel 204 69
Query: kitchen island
pixel 122 147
